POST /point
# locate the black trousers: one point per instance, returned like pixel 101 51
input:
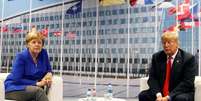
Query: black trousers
pixel 146 95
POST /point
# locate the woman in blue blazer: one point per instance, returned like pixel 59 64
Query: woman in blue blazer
pixel 31 71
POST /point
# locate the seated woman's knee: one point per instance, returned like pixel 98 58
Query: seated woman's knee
pixel 34 89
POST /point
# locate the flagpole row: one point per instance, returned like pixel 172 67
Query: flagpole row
pixel 96 53
pixel 62 35
pixel 128 51
pixel 30 14
pixel 199 35
pixel 81 33
pixel 2 23
pixel 156 27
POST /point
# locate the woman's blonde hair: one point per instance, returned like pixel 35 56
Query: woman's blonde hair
pixel 34 34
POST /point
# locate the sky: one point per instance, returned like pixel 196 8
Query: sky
pixel 13 7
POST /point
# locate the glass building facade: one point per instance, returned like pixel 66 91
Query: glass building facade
pixel 116 42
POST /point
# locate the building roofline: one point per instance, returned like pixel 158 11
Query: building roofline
pixel 37 9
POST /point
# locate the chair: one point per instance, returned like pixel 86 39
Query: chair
pixel 197 84
pixel 55 92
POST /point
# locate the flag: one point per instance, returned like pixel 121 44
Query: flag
pixel 194 11
pixel 57 33
pixel 140 2
pixel 71 35
pixel 111 2
pixel 44 32
pixel 164 4
pixel 199 13
pixel 189 23
pixel 194 8
pixel 185 25
pixel 17 29
pixel 4 29
pixel 182 10
pixel 75 8
pixel 133 2
pixel 172 28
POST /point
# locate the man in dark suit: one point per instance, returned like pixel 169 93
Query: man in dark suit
pixel 172 73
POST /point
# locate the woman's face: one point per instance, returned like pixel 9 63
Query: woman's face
pixel 35 46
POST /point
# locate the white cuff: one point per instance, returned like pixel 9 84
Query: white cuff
pixel 168 97
pixel 158 94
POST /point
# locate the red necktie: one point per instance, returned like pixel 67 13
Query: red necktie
pixel 167 77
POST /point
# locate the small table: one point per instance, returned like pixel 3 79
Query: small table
pixel 101 99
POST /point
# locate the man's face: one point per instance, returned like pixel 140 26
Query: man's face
pixel 170 46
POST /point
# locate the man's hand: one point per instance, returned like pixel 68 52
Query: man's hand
pixel 165 98
pixel 160 98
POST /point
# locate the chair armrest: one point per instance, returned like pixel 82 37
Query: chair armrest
pixel 143 84
pixel 3 76
pixel 197 85
pixel 2 91
pixel 56 89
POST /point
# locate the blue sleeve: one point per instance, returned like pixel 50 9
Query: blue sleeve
pixel 28 81
pixel 18 71
pixel 49 69
pixel 18 67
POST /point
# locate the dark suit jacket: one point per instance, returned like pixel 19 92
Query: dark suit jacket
pixel 183 71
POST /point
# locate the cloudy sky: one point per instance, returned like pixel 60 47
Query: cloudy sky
pixel 13 7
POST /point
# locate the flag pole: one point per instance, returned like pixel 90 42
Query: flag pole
pixel 73 38
pixel 192 31
pixel 156 29
pixel 96 52
pixel 199 54
pixel 176 7
pixel 9 42
pixel 48 39
pixel 81 32
pixel 21 45
pixel 30 14
pixel 128 51
pixel 2 15
pixel 62 38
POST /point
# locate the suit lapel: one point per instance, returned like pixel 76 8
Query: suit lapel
pixel 176 66
pixel 163 59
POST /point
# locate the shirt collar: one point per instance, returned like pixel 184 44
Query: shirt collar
pixel 174 55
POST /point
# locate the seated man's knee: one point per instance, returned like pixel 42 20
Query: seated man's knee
pixel 140 96
pixel 181 97
pixel 145 96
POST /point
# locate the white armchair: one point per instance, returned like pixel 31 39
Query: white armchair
pixel 55 92
pixel 197 84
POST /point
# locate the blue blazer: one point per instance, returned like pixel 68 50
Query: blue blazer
pixel 25 72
